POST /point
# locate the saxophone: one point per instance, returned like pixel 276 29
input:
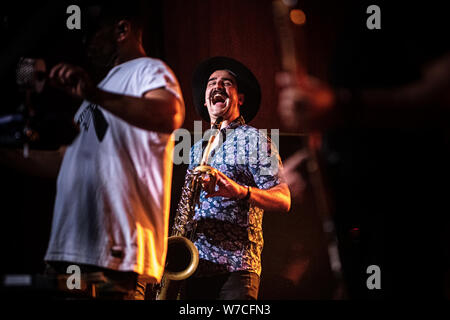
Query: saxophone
pixel 182 255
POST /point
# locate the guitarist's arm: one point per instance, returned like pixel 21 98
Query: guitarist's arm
pixel 41 163
pixel 321 106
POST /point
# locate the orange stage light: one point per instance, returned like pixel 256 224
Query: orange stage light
pixel 297 16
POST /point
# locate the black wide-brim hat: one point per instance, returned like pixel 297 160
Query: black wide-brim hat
pixel 246 81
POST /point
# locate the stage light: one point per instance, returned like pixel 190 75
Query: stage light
pixel 297 16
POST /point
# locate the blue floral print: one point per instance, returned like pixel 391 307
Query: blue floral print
pixel 229 231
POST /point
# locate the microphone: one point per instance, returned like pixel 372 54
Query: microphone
pixel 31 74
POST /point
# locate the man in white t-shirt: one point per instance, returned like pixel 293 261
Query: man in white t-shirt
pixel 113 189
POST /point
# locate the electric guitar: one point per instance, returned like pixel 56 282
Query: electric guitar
pixel 291 64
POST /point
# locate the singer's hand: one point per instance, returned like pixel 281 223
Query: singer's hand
pixel 72 79
pixel 225 187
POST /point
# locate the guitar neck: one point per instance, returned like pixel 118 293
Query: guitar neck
pixel 289 61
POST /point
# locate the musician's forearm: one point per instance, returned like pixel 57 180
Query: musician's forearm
pixel 161 113
pixel 274 199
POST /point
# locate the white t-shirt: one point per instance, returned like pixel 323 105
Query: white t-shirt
pixel 113 188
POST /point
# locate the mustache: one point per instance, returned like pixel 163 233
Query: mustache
pixel 218 91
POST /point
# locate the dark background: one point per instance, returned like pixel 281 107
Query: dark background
pixel 371 178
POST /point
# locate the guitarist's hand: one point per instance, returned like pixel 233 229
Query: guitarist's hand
pixel 294 177
pixel 305 102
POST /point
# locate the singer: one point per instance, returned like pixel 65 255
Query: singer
pixel 113 190
pixel 229 217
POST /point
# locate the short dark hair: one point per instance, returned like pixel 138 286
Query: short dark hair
pixel 126 10
pixel 109 14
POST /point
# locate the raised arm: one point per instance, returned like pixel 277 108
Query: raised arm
pixel 309 101
pixel 158 110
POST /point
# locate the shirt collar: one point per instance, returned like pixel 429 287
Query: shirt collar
pixel 239 121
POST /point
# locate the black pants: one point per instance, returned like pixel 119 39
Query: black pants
pixel 119 285
pixel 240 285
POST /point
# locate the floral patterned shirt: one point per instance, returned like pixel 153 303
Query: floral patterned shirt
pixel 229 233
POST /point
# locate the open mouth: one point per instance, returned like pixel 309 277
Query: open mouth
pixel 218 96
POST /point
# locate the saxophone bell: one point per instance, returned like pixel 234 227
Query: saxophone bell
pixel 182 258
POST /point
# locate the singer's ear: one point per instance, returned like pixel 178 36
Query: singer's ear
pixel 241 99
pixel 123 28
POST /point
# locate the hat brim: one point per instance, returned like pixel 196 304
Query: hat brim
pixel 247 85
